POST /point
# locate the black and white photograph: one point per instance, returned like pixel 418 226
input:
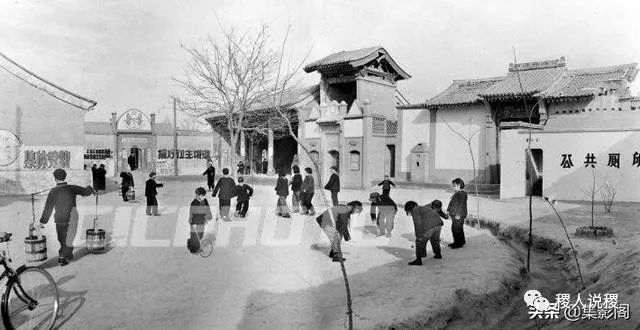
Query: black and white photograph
pixel 319 164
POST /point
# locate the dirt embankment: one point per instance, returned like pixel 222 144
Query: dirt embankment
pixel 553 271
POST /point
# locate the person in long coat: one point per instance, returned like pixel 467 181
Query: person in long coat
pixel 210 172
pixel 99 182
pixel 307 192
pixel 334 222
pixel 333 185
pixel 62 199
pixel 150 192
pixel 427 222
pixel 126 184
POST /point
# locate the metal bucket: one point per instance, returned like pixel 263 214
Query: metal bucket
pixel 96 240
pixel 35 248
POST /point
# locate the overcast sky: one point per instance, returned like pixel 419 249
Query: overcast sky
pixel 124 54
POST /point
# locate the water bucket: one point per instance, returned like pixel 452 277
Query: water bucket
pixel 96 240
pixel 35 248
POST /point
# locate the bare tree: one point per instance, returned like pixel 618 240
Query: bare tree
pixel 227 78
pixel 468 139
pixel 279 104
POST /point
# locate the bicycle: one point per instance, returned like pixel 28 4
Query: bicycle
pixel 30 299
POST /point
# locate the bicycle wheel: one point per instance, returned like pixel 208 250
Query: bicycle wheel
pixel 30 301
pixel 206 248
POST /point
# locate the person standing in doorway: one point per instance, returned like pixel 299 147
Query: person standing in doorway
pixel 243 193
pixel 308 189
pixel 100 182
pixel 335 224
pixel 296 186
pixel 225 186
pixel 127 183
pixel 150 192
pixel 131 160
pixel 427 224
pixel 386 185
pixel 210 172
pixel 62 198
pixel 333 185
pixel 457 210
pixel 282 190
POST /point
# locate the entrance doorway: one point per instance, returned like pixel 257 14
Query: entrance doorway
pixel 390 161
pixel 533 172
pixel 137 159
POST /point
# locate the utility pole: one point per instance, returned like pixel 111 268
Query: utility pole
pixel 175 139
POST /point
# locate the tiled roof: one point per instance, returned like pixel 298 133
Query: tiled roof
pixel 353 59
pixel 463 92
pixel 533 81
pixel 46 86
pixel 587 82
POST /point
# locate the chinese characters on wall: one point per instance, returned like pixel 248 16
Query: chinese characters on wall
pixel 590 160
pixel 184 154
pixel 98 154
pixel 42 159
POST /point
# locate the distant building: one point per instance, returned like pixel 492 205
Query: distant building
pixel 41 129
pixel 348 120
pixel 579 118
pixel 151 144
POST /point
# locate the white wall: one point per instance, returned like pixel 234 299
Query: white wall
pixel 565 183
pixel 451 151
pixel 414 128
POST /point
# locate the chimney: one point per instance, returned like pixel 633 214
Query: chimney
pixel 342 108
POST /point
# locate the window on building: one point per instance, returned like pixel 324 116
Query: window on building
pixel 378 125
pixel 354 160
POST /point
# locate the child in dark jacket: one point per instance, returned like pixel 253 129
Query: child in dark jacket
pixel 386 185
pixel 296 186
pixel 199 214
pixel 282 189
pixel 457 210
pixel 226 187
pixel 242 192
pixel 308 189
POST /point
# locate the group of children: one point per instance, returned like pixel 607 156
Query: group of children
pixel 302 193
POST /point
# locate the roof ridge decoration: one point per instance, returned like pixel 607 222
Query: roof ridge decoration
pixel 355 109
pixel 44 85
pixel 356 58
pixel 629 71
pixel 537 65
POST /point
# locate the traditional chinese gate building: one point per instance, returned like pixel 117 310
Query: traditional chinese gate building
pixel 347 120
pixel 41 129
pixel 582 115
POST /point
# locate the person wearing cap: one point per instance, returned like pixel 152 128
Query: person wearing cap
pixel 333 185
pixel 150 192
pixel 62 199
pixel 243 193
pixel 427 222
pixel 383 211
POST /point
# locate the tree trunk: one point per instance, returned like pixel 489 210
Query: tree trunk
pixel 475 183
